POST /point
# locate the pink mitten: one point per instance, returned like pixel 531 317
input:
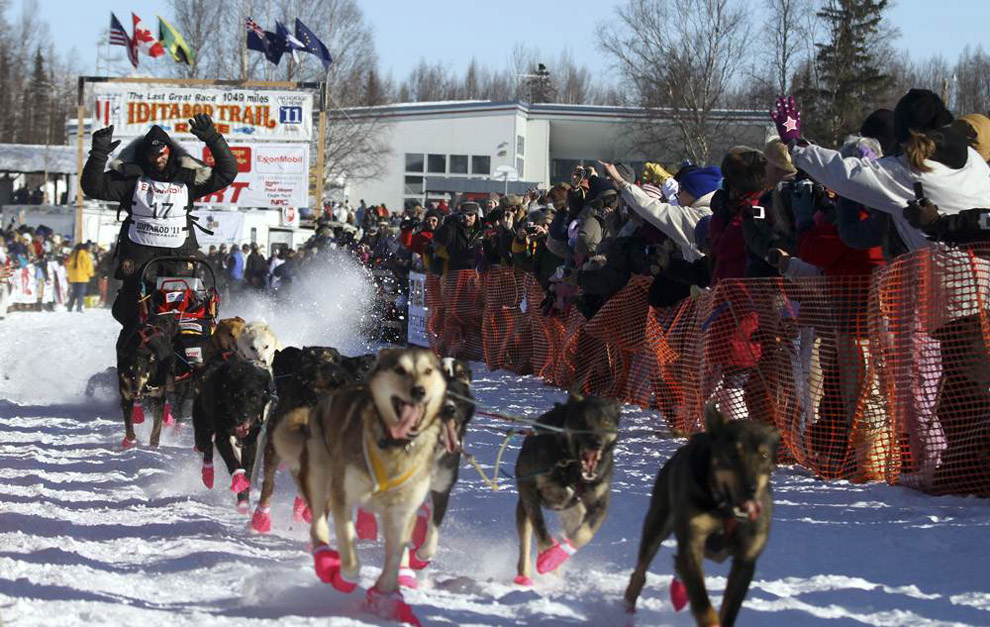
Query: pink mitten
pixel 167 418
pixel 523 580
pixel 367 525
pixel 326 561
pixel 422 525
pixel 208 474
pixel 239 481
pixel 407 578
pixel 262 519
pixel 678 594
pixel 300 511
pixel 129 442
pixel 390 606
pixel 551 559
pixel 137 413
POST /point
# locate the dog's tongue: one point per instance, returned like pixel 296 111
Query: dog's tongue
pixel 752 510
pixel 409 417
pixel 589 460
pixel 449 436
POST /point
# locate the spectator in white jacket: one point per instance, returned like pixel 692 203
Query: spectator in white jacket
pixel 952 175
pixel 697 185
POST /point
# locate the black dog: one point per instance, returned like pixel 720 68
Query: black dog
pixel 145 361
pixel 566 467
pixel 231 403
pixel 302 377
pixel 714 496
pixel 457 413
pixel 358 367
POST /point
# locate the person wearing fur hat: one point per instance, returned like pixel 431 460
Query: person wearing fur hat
pixel 156 188
pixel 459 239
pixel 696 186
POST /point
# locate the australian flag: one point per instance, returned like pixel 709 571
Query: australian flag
pixel 264 41
pixel 312 44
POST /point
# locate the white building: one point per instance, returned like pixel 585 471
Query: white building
pixel 437 145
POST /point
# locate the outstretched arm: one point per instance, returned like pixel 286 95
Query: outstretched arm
pixel 96 182
pixel 225 164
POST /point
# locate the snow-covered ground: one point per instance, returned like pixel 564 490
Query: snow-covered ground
pixel 94 535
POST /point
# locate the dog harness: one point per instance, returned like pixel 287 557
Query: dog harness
pixel 380 478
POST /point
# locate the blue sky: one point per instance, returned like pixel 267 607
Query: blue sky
pixel 454 31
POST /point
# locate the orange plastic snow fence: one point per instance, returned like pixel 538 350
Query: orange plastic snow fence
pixel 873 378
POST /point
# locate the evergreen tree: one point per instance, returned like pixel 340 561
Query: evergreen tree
pixel 374 91
pixel 846 82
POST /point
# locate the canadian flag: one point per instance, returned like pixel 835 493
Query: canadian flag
pixel 145 41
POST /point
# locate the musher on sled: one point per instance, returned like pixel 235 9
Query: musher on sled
pixel 156 182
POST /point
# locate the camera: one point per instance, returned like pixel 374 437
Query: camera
pixel 531 229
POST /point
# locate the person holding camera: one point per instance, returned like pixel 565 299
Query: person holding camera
pixel 458 242
pixel 417 237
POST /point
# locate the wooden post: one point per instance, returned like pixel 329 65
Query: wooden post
pixel 321 149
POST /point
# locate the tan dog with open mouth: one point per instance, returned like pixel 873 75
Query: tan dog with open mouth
pixel 370 445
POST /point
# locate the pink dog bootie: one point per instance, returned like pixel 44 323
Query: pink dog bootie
pixel 243 507
pixel 523 580
pixel 300 511
pixel 421 527
pixel 415 562
pixel 366 525
pixel 208 474
pixel 678 594
pixel 137 413
pixel 167 419
pixel 326 562
pixel 262 519
pixel 390 606
pixel 239 481
pixel 128 442
pixel 551 559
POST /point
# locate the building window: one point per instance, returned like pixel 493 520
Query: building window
pixel 481 165
pixel 519 166
pixel 414 163
pixel 437 164
pixel 458 164
pixel 414 185
pixel 520 144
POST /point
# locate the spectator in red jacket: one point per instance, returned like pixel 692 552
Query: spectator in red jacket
pixel 417 236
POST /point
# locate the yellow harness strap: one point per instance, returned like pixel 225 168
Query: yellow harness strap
pixel 379 475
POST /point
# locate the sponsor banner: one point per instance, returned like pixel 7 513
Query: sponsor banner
pixel 238 113
pixel 32 284
pixel 418 313
pixel 269 175
pixel 227 227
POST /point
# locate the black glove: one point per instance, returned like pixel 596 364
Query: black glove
pixel 921 214
pixel 102 140
pixel 201 125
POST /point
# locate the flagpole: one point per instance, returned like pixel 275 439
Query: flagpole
pixel 321 150
pixel 79 160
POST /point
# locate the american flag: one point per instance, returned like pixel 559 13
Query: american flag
pixel 119 37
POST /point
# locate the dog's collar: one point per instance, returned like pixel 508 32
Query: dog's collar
pixel 380 479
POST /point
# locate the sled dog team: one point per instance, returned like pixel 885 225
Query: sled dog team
pixel 379 439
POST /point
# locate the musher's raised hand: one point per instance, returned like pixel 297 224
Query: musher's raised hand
pixel 102 141
pixel 201 125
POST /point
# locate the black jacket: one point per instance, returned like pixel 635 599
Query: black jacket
pixel 117 185
pixel 461 246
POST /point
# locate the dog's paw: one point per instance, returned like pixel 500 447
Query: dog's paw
pixel 167 418
pixel 262 519
pixel 366 525
pixel 523 580
pixel 415 562
pixel 326 562
pixel 243 507
pixel 239 481
pixel 300 511
pixel 407 578
pixel 422 526
pixel 390 606
pixel 137 414
pixel 550 559
pixel 208 475
pixel 678 594
pixel 128 442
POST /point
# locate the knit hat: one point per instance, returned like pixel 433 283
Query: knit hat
pixel 470 207
pixel 879 125
pixel 699 181
pixel 919 110
pixel 513 200
pixel 627 173
pixel 434 213
pixel 779 156
pixel 975 127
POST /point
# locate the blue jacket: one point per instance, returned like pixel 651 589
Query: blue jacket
pixel 236 265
